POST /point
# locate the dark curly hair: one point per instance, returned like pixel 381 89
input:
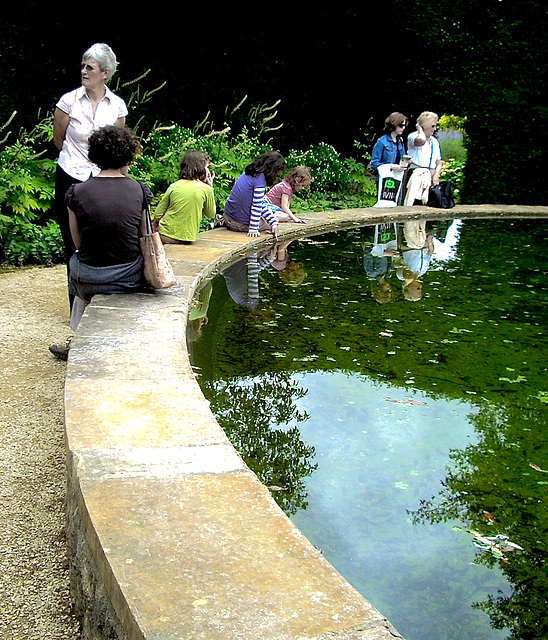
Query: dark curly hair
pixel 113 147
pixel 271 164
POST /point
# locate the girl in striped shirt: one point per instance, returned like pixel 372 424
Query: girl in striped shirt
pixel 246 208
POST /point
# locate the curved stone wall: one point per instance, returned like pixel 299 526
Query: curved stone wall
pixel 170 535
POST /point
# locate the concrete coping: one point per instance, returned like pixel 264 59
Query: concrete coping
pixel 171 536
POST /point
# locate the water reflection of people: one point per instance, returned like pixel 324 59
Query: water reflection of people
pixel 291 272
pixel 242 278
pixel 197 316
pixel 377 267
pixel 407 251
pixel 419 247
pixel 377 261
pixel 417 250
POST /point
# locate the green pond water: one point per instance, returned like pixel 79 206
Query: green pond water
pixel 400 421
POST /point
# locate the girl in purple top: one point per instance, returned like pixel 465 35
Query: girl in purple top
pixel 246 208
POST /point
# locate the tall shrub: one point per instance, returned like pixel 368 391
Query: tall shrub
pixel 27 233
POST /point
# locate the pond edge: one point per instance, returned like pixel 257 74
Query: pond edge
pixel 170 535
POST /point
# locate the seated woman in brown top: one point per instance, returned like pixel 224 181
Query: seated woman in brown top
pixel 107 217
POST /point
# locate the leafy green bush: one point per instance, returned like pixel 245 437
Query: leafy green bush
pixel 452 147
pixel 27 235
pixel 452 137
pixel 453 172
pixel 165 146
pixel 30 235
pixel 449 122
pixel 338 182
pixel 229 151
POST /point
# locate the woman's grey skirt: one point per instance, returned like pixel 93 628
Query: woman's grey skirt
pixel 85 281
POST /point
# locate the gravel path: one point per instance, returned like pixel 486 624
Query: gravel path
pixel 34 585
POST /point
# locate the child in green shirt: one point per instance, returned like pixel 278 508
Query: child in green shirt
pixel 186 201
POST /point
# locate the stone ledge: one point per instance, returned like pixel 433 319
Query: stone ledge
pixel 170 535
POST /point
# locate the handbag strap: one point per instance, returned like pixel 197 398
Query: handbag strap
pixel 146 208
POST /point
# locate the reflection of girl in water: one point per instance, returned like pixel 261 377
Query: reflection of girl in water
pixel 197 316
pixel 242 278
pixel 292 273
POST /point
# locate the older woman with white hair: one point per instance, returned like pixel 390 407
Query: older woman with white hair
pixel 423 146
pixel 77 114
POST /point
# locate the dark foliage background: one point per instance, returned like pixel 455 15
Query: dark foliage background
pixel 337 69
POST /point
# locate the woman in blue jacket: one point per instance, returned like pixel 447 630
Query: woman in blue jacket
pixel 390 148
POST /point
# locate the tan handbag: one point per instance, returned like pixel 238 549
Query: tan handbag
pixel 157 269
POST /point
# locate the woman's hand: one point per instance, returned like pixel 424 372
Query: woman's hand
pixel 420 138
pixel 436 175
pixel 210 175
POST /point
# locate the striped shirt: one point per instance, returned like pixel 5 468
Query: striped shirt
pixel 247 203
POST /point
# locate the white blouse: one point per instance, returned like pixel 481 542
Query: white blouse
pixel 73 158
pixel 426 156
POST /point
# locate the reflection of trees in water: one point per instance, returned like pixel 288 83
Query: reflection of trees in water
pixel 477 334
pixel 498 487
pixel 249 412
